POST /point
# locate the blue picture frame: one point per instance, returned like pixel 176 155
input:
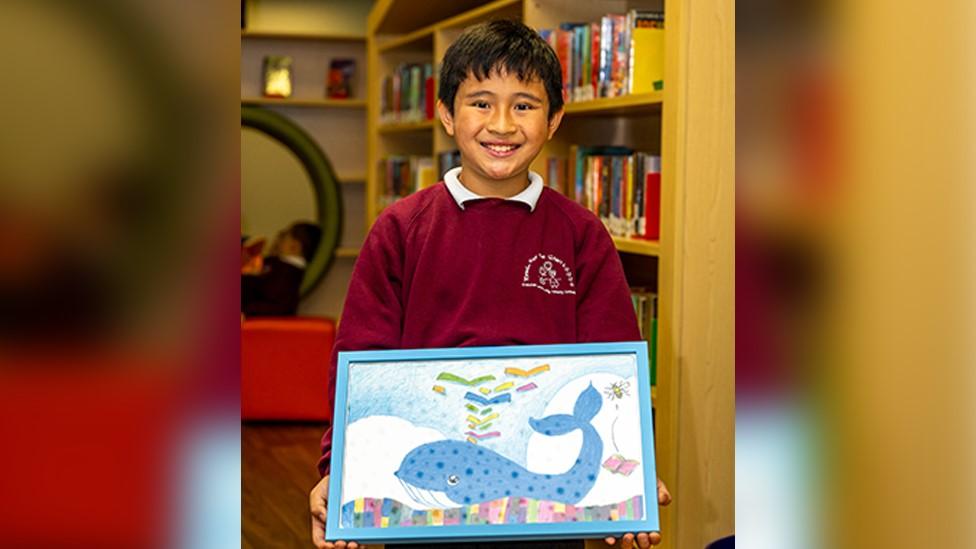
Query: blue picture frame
pixel 394 412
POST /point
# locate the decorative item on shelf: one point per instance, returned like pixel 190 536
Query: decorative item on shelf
pixel 339 81
pixel 277 76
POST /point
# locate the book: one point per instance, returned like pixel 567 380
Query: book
pixel 448 160
pixel 556 174
pixel 646 51
pixel 339 81
pixel 277 76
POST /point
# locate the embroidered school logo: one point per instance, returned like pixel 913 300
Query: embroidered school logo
pixel 549 274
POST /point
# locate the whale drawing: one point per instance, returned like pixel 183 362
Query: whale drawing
pixel 450 473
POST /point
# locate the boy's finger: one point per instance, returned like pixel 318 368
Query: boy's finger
pixel 318 534
pixel 627 542
pixel 655 538
pixel 610 541
pixel 643 541
pixel 663 495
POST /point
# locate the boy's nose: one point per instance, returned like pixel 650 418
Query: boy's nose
pixel 501 122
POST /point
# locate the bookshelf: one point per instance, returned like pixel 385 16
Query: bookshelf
pixel 636 121
pixel 313 32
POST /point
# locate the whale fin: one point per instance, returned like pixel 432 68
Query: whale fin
pixel 586 408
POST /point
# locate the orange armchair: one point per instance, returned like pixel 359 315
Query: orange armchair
pixel 285 368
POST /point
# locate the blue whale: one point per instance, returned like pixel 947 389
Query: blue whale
pixel 450 473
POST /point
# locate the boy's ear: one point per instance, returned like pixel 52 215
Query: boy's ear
pixel 446 119
pixel 554 122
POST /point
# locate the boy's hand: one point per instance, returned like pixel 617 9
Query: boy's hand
pixel 644 539
pixel 318 502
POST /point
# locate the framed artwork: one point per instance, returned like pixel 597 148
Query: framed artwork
pixel 493 443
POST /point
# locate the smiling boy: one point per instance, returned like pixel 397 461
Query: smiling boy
pixel 490 256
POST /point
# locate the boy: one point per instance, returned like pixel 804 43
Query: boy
pixel 490 256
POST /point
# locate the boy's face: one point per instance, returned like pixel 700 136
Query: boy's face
pixel 500 125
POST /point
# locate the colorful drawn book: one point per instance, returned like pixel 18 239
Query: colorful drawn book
pixel 620 465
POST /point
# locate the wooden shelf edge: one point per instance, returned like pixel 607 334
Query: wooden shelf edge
pixel 293 102
pixel 398 127
pixel 346 252
pixel 285 35
pixel 470 16
pixel 407 39
pixel 610 104
pixel 637 246
pixel 462 19
pixel 351 178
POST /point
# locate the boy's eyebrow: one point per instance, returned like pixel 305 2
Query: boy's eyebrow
pixel 522 95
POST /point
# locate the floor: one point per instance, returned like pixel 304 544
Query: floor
pixel 278 471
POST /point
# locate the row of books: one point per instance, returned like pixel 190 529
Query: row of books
pixel 278 77
pixel 645 306
pixel 403 175
pixel 618 55
pixel 620 185
pixel 448 160
pixel 408 94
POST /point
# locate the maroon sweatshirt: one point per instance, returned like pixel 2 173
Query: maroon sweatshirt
pixel 495 272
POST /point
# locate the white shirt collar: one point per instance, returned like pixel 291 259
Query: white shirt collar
pixel 293 260
pixel 530 196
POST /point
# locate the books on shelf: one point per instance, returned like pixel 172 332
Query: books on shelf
pixel 277 76
pixel 448 160
pixel 645 306
pixel 620 185
pixel 408 94
pixel 617 55
pixel 339 80
pixel 402 175
pixel 556 174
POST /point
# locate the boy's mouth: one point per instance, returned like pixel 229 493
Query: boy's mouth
pixel 500 150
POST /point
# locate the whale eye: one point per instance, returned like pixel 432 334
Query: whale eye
pixel 453 480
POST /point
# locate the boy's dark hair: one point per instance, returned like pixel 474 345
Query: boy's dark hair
pixel 308 235
pixel 501 45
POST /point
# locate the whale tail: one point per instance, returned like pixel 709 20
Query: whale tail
pixel 587 405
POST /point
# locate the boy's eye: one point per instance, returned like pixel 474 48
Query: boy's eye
pixel 524 107
pixel 480 104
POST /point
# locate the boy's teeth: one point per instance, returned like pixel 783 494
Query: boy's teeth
pixel 501 148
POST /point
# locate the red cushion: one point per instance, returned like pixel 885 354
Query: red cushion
pixel 285 368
